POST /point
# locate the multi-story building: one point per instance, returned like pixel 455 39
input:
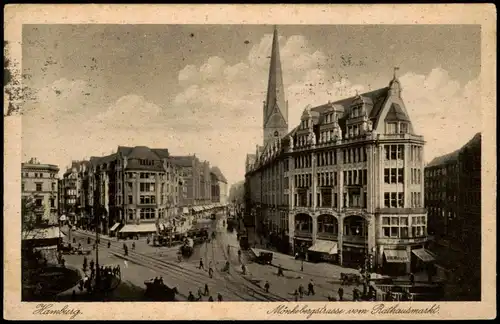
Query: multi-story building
pixel 219 186
pixel 130 191
pixel 453 199
pixel 39 182
pixel 346 184
pixel 73 191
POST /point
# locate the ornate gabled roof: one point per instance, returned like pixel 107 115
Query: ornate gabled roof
pixel 376 96
pixel 396 113
pixel 142 152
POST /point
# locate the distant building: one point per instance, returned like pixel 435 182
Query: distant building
pixel 219 186
pixel 73 190
pixel 39 181
pixel 453 200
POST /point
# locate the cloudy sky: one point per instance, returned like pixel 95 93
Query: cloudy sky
pixel 199 89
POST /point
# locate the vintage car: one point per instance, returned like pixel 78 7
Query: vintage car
pixel 265 258
pixel 187 248
pixel 159 291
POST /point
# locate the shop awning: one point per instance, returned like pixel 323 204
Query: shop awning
pixel 114 227
pixel 396 256
pixel 322 246
pixel 424 255
pixel 141 228
pixel 43 234
pixel 185 210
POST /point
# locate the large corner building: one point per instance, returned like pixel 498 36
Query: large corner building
pixel 346 184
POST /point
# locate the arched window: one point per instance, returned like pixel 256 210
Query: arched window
pixel 276 134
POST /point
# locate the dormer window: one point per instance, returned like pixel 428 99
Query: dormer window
pixel 356 111
pixel 390 128
pixel 403 128
pixel 276 134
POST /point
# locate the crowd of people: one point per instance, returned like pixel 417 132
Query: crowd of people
pixel 203 293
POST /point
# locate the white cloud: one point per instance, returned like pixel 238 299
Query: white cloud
pixel 444 112
pixel 129 111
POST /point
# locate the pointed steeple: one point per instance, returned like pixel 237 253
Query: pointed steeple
pixel 275 88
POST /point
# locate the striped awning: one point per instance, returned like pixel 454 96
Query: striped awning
pixel 396 256
pixel 141 228
pixel 424 255
pixel 323 246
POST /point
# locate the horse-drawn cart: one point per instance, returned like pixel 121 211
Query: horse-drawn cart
pixel 350 278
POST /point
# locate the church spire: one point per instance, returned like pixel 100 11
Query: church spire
pixel 275 88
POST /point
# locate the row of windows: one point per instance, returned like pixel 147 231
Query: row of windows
pixel 327 179
pixel 303 180
pixel 402 232
pixel 416 176
pixel 396 128
pixel 394 200
pixel 416 199
pixel 326 158
pixel 146 162
pixel 38 186
pixel 354 155
pixel 394 152
pixel 356 177
pixel 394 175
pixel 303 161
pixel 397 227
pixel 147 187
pixel 416 153
pixel 39 175
pixel 353 131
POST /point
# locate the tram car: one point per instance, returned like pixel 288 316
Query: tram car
pixel 187 248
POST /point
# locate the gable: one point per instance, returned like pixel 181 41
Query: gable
pixel 396 113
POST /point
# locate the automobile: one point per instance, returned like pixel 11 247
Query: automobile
pixel 265 258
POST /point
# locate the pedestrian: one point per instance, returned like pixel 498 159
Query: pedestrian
pixel 191 296
pixel 267 286
pixel 310 286
pixel 201 264
pixel 301 291
pixel 412 278
pixel 200 294
pixel 219 297
pixel 109 244
pixel 280 271
pixel 74 240
pixel 210 299
pixel 341 293
pixel 355 294
pixel 296 295
pixel 133 245
pixel 210 272
pixel 91 264
pixel 161 280
pixel 207 292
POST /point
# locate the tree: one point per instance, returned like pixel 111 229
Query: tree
pixel 30 224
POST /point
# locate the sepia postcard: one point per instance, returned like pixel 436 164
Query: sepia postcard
pixel 276 162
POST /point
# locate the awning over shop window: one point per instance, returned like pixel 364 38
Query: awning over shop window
pixel 322 246
pixel 396 256
pixel 43 234
pixel 424 255
pixel 141 228
pixel 185 210
pixel 114 227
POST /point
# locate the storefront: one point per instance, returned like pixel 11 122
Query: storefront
pixel 394 262
pixel 301 245
pixel 353 256
pixel 422 260
pixel 139 230
pixel 324 250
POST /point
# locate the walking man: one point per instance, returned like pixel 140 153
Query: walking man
pixel 310 288
pixel 267 286
pixel 219 297
pixel 341 294
pixel 201 264
pixel 207 292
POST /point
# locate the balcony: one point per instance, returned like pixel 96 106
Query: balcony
pixel 400 136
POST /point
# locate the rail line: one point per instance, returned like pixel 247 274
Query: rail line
pixel 172 270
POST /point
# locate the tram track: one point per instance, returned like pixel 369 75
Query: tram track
pixel 172 270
